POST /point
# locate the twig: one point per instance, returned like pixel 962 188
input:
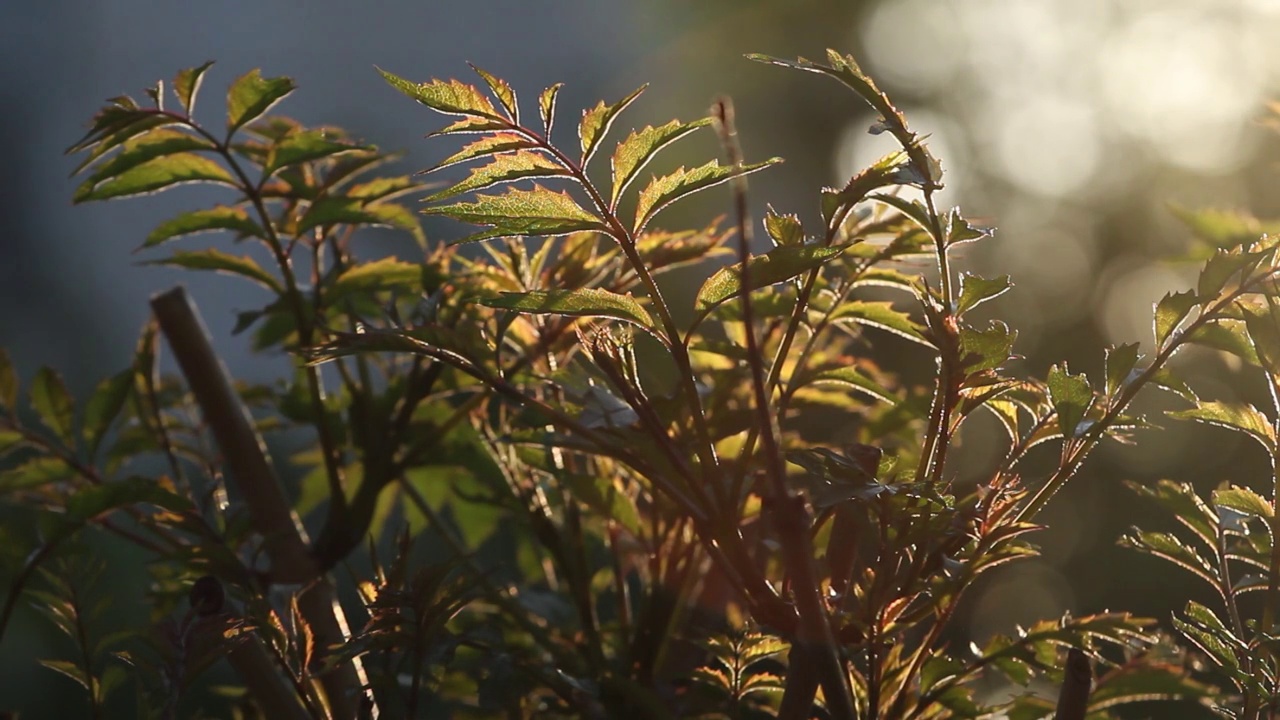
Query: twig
pixel 244 453
pixel 1077 681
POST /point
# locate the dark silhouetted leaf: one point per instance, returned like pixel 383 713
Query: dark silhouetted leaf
pixel 104 406
pixel 602 495
pixel 777 265
pixel 596 121
pixel 219 217
pixel 52 402
pixel 634 153
pixel 8 382
pixel 662 191
pixel 1071 398
pixel 252 95
pixel 219 261
pixel 522 212
pixel 586 302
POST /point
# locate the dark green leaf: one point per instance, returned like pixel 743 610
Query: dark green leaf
pixel 1264 334
pixel 90 502
pixel 219 217
pixel 187 85
pixel 1243 500
pixel 156 174
pixel 975 290
pixel 547 107
pixel 1208 632
pixel 1170 311
pixel 1148 681
pixel 522 212
pixel 1071 397
pixel 219 261
pixel 603 496
pixel 879 314
pixel 1169 547
pixel 1237 416
pixel 586 302
pixel 307 145
pixel 8 382
pixel 104 406
pixel 662 191
pixel 1120 362
pixel 1220 268
pixel 333 210
pixel 1165 379
pixel 836 203
pixel 596 121
pixel 251 95
pixel 502 90
pixel 634 153
pixel 1220 228
pixel 1228 336
pixel 778 265
pixel 982 350
pixel 52 402
pixel 36 472
pixel 506 167
pixel 783 229
pixel 448 97
pixel 1182 502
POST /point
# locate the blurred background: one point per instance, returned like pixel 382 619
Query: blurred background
pixel 1071 125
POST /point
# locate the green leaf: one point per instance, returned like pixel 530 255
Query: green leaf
pixel 1147 681
pixel 1172 549
pixel 218 261
pixel 306 145
pixel 505 168
pixel 585 302
pixel 1220 268
pixel 1243 500
pixel 251 95
pixel 1071 397
pixel 219 217
pixel 975 290
pixel 1165 379
pixel 1229 336
pixel 1264 334
pixel 156 174
pixel 982 350
pixel 36 472
pixel 104 406
pixel 783 229
pixel 1220 228
pixel 447 97
pixel 662 191
pixel 1120 362
pixel 1207 632
pixel 602 495
pixel 52 402
pixel 8 382
pixel 1237 416
pixel 778 265
pixel 596 121
pixel 384 274
pixel 502 90
pixel 855 378
pixel 187 85
pixel 547 107
pixel 490 144
pixel 95 500
pixel 149 146
pixel 960 231
pixel 879 314
pixel 331 210
pixel 884 172
pixel 1170 311
pixel 539 211
pixel 68 669
pixel 1182 502
pixel 634 153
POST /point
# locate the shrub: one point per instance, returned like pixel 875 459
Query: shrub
pixel 581 497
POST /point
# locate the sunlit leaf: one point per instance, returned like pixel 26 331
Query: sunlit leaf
pixel 1229 336
pixel 988 349
pixel 585 302
pixel 449 97
pixel 218 261
pixel 1170 311
pixel 522 212
pixel 603 496
pixel 879 314
pixel 547 107
pixel 337 210
pixel 1237 416
pixel 506 167
pixel 1171 548
pixel 252 95
pixel 662 191
pixel 52 402
pixel 502 90
pixel 1120 362
pixel 778 265
pixel 853 377
pixel 596 121
pixel 1182 502
pixel 383 274
pixel 1243 500
pixel 1264 334
pixel 1220 228
pixel 1071 398
pixel 146 147
pixel 186 85
pixel 975 290
pixel 156 174
pixel 633 154
pixel 219 217
pixel 305 146
pixel 1219 270
pixel 488 144
pixel 783 229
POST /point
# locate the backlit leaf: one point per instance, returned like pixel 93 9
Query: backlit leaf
pixel 251 95
pixel 585 302
pixel 333 210
pixel 104 406
pixel 662 191
pixel 218 261
pixel 449 97
pixel 634 153
pixel 187 85
pixel 219 217
pixel 307 145
pixel 1219 270
pixel 52 402
pixel 603 496
pixel 1228 336
pixel 149 146
pixel 879 314
pixel 384 274
pixel 1120 362
pixel 1071 397
pixel 1170 311
pixel 505 168
pixel 855 378
pixel 1182 502
pixel 502 90
pixel 489 144
pixel 989 349
pixel 1243 500
pixel 1220 228
pixel 1238 416
pixel 521 212
pixel 778 265
pixel 1264 334
pixel 547 107
pixel 783 229
pixel 156 174
pixel 596 121
pixel 975 290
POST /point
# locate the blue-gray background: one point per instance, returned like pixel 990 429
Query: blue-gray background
pixel 1069 124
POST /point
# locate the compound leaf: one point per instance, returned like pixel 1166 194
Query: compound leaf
pixel 1170 311
pixel 449 97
